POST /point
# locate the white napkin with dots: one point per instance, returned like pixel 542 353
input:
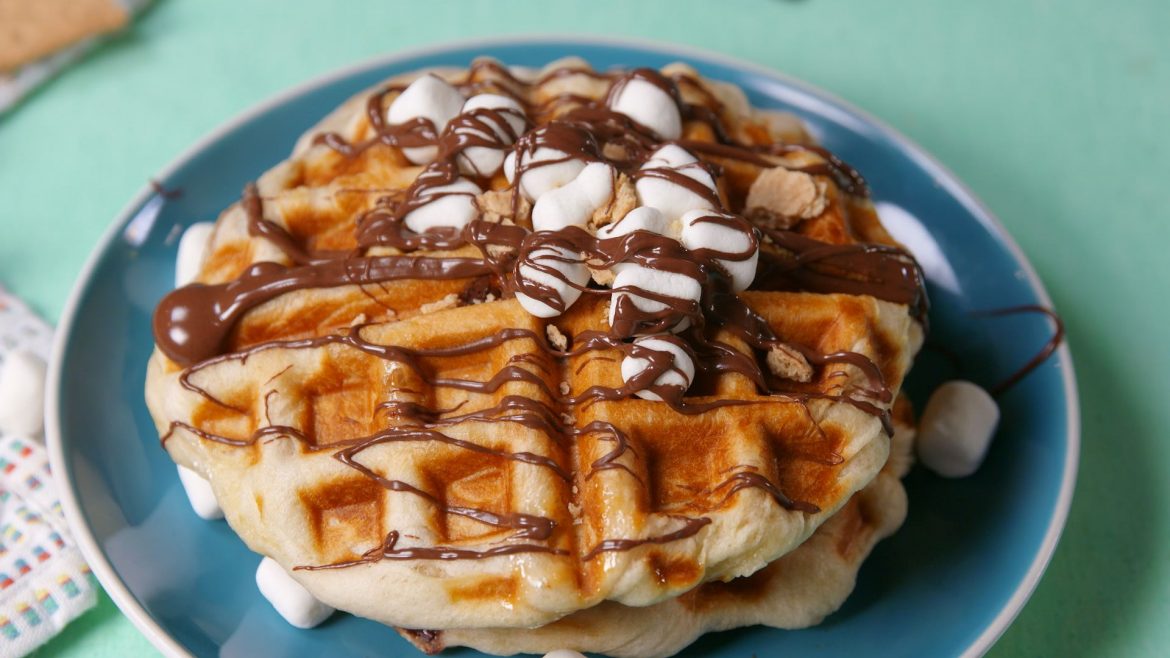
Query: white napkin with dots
pixel 44 582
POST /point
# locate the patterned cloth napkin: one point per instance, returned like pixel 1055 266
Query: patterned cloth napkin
pixel 44 582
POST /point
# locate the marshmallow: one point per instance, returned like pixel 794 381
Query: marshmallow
pixel 451 206
pixel 642 218
pixel 200 495
pixel 650 106
pixel 575 202
pixel 661 282
pixel 699 234
pixel 540 178
pixel 681 374
pixel 670 198
pixel 484 161
pixel 192 252
pixel 22 394
pixel 290 598
pixel 564 653
pixel 956 428
pixel 429 97
pixel 570 265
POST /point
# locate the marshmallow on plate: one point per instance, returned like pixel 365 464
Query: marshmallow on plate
pixel 660 282
pixel 192 252
pixel 564 653
pixel 648 105
pixel 484 161
pixel 568 264
pixel 545 169
pixel 642 218
pixel 701 233
pixel 670 198
pixel 290 598
pixel 450 206
pixel 956 428
pixel 22 394
pixel 429 97
pixel 680 373
pixel 200 494
pixel 574 203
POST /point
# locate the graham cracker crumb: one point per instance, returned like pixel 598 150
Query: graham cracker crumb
pixel 603 277
pixel 624 199
pixel 450 301
pixel 556 338
pixel 786 196
pixel 787 363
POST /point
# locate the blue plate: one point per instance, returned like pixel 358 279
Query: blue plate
pixel 948 583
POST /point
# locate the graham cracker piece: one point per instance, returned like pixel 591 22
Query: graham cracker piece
pixel 32 29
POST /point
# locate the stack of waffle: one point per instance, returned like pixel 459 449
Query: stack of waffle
pixel 533 359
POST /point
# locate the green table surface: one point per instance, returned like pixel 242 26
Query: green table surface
pixel 1055 113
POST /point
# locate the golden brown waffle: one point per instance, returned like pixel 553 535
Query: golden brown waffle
pixel 348 434
pixel 796 591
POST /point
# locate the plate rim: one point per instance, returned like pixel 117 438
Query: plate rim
pixel 168 645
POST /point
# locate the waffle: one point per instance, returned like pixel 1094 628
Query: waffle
pixel 796 591
pixel 350 432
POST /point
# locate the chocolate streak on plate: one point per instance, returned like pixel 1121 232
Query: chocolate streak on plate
pixel 1040 357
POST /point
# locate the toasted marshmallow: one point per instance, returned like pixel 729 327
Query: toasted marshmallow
pixel 571 267
pixel 956 428
pixel 574 203
pixel 544 170
pixel 670 198
pixel 451 206
pixel 192 252
pixel 681 374
pixel 22 394
pixel 700 234
pixel 669 284
pixel 429 97
pixel 642 218
pixel 485 161
pixel 290 598
pixel 200 495
pixel 650 106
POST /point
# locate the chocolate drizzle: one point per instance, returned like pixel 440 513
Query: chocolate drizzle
pixel 1040 357
pixel 193 325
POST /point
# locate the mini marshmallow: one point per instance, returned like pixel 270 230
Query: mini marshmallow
pixel 571 266
pixel 485 161
pixel 564 653
pixel 200 495
pixel 642 218
pixel 575 202
pixel 956 428
pixel 682 374
pixel 192 252
pixel 22 394
pixel 429 97
pixel 661 282
pixel 290 598
pixel 453 206
pixel 650 106
pixel 540 178
pixel 670 198
pixel 699 234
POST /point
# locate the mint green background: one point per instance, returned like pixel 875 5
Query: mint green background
pixel 1055 113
